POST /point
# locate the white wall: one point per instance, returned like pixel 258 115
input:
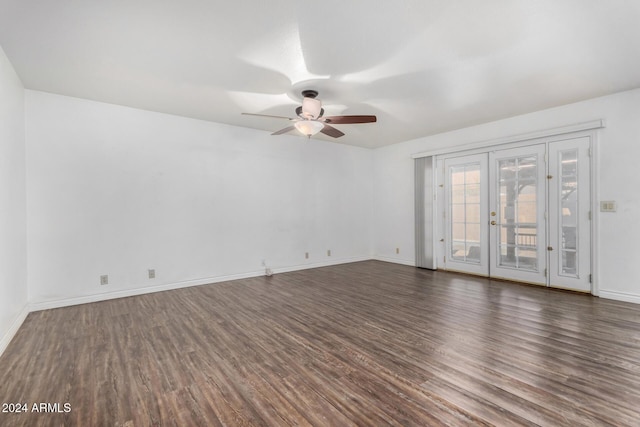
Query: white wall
pixel 13 262
pixel 619 156
pixel 115 190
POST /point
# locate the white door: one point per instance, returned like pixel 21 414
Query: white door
pixel 466 217
pixel 569 214
pixel 517 219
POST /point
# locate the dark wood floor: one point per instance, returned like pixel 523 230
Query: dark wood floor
pixel 368 343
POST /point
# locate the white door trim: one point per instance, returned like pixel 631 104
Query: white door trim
pixel 523 138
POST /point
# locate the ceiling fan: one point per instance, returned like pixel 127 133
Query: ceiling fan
pixel 311 118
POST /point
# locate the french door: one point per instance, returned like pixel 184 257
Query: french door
pixel 517 225
pixel 512 214
pixel 466 200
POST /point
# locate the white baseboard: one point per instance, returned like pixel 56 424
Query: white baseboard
pixel 411 263
pixel 13 329
pixel 66 302
pixel 620 296
pixel 46 305
pixel 319 264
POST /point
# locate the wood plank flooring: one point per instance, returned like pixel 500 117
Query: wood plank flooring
pixel 368 343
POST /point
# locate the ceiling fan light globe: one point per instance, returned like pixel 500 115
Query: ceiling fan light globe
pixel 311 108
pixel 309 127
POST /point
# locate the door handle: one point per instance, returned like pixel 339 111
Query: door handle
pixel 493 223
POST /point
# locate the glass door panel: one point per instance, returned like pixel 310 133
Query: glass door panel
pixel 465 212
pixel 517 207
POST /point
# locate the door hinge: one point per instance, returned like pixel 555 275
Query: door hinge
pixel 545 272
pixel 589 215
pixel 589 151
pixel 590 278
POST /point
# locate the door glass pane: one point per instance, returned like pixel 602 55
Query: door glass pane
pixel 517 213
pixel 457 212
pixel 472 175
pixel 473 242
pixel 472 193
pixel 569 215
pixel 465 212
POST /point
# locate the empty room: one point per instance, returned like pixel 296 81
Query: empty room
pixel 346 213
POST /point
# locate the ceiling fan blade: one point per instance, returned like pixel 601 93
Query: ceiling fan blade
pixel 267 115
pixel 345 120
pixel 331 131
pixel 285 130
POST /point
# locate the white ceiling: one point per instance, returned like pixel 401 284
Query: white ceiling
pixel 421 66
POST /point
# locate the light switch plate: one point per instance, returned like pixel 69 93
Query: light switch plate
pixel 608 206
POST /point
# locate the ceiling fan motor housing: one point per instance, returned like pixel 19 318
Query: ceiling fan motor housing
pixel 309 93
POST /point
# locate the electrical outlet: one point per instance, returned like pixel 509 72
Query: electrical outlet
pixel 328 252
pixel 306 255
pixel 152 273
pixel 104 279
pixel 397 250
